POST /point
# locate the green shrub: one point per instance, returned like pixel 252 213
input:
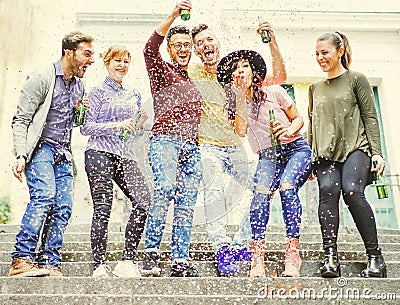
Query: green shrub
pixel 5 210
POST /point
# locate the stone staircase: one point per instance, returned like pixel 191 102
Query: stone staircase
pixel 78 288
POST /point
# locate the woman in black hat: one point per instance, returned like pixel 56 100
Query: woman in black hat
pixel 284 156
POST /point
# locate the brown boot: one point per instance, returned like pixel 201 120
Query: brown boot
pixel 292 258
pixel 54 271
pixel 22 267
pixel 257 259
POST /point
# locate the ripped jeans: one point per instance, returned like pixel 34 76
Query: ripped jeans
pixel 286 167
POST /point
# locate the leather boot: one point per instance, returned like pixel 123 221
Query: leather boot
pixel 376 267
pixel 292 258
pixel 257 258
pixel 331 267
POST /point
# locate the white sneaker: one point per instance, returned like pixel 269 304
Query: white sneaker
pixel 101 271
pixel 126 268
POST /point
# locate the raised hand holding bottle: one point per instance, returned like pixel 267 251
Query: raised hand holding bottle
pixel 264 33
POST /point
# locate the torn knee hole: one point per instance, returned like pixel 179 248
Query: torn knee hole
pixel 286 186
pixel 262 189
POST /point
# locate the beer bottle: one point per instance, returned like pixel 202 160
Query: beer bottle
pixel 126 133
pixel 185 14
pixel 274 141
pixel 265 36
pixel 380 185
pixel 80 112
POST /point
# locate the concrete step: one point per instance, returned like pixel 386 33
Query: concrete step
pixel 202 237
pixel 202 290
pixel 232 229
pixel 251 300
pixel 78 288
pixel 208 255
pixel 200 228
pixel 160 299
pixel 67 299
pixel 165 245
pixel 309 268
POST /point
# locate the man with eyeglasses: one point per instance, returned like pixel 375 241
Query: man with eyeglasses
pixel 173 153
pixel 42 129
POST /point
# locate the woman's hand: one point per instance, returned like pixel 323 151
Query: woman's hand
pixel 380 165
pixel 131 125
pixel 128 124
pixel 279 130
pixel 241 83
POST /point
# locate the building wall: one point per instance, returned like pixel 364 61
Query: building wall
pixel 31 33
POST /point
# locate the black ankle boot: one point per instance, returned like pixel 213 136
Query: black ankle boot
pixel 376 267
pixel 331 267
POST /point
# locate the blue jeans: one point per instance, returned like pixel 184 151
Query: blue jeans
pixel 50 180
pixel 286 167
pixel 216 162
pixel 176 168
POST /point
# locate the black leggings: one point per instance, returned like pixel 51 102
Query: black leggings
pixel 102 169
pixel 350 179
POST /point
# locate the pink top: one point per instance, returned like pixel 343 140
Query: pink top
pixel 259 131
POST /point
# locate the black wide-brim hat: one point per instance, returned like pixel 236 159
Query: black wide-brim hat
pixel 225 67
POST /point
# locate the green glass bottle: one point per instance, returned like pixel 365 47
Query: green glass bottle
pixel 80 112
pixel 380 184
pixel 185 14
pixel 265 36
pixel 126 133
pixel 274 141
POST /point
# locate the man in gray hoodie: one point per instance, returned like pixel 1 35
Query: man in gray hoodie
pixel 42 129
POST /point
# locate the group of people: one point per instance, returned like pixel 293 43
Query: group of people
pixel 201 115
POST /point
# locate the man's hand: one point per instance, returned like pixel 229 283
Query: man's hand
pixel 181 5
pixel 265 25
pixel 18 168
pixel 85 102
pixel 142 119
pixel 162 29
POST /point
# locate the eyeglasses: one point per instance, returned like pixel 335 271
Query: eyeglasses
pixel 178 45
